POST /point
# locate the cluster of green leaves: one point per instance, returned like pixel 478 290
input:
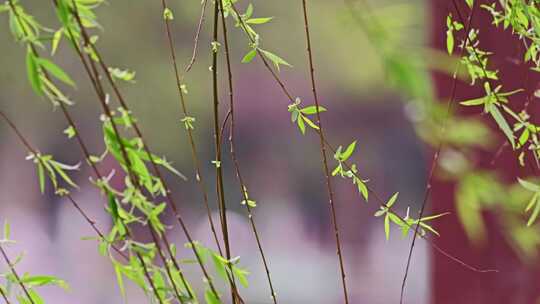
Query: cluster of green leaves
pixel 493 102
pixel 246 21
pixel 136 202
pixel 189 122
pixel 341 157
pixel 300 115
pixel 406 224
pixel 478 191
pixel 54 170
pixel 26 29
pixel 137 156
pixel 523 17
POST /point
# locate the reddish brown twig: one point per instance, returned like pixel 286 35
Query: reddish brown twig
pixel 323 154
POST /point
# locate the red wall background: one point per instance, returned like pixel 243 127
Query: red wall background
pixel 516 282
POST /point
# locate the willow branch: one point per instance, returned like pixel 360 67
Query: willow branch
pixel 243 187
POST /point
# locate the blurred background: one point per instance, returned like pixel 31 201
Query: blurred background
pixel 281 166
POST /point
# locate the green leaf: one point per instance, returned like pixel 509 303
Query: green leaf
pixel 70 132
pixel 362 189
pixel 44 280
pixel 276 60
pixel 241 275
pixel 7 230
pixel 432 217
pixel 428 227
pixel 220 264
pixel 168 14
pixel 503 125
pixel 387 227
pixel 59 168
pixel 32 70
pixel 449 36
pixel 41 177
pixel 63 12
pixel 312 110
pixel 392 200
pixel 124 75
pixel 249 56
pixel 301 125
pixel 310 123
pixel 259 20
pixel 36 298
pixel 528 185
pixel 534 214
pixel 55 70
pixel 113 208
pixel 159 283
pixel 474 102
pixel 120 279
pixel 380 212
pixel 210 297
pixel 56 40
pixel 348 152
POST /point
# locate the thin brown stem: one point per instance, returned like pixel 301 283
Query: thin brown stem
pixel 323 154
pixel 217 137
pixel 434 160
pixel 220 189
pixel 243 188
pixel 196 39
pixel 183 105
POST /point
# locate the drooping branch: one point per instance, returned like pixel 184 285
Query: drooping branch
pixel 326 170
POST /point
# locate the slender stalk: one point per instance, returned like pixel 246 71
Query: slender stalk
pixel 434 160
pixel 183 105
pixel 323 154
pixel 196 39
pixel 234 156
pixel 16 275
pixel 217 137
pixel 220 189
